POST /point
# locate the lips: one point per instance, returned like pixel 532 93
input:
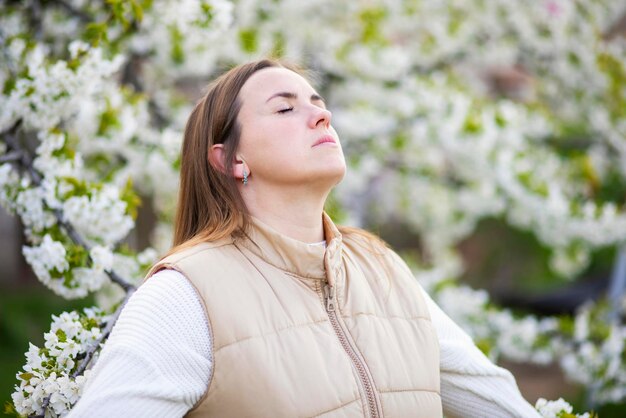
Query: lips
pixel 326 139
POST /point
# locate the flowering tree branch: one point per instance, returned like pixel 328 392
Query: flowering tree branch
pixel 105 334
pixel 11 157
pixel 18 154
pixel 91 350
pixel 26 162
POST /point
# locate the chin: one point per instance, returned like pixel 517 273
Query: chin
pixel 334 173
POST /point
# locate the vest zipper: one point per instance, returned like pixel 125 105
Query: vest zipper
pixel 366 382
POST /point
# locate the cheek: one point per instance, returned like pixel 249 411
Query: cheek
pixel 265 151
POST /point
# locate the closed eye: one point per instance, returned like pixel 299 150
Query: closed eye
pixel 289 109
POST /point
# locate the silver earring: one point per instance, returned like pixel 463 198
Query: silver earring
pixel 245 177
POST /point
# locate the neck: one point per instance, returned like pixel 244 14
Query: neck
pixel 294 212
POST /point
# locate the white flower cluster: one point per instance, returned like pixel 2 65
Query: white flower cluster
pixel 513 338
pixel 29 205
pixel 50 264
pixel 449 178
pixel 18 195
pixel 591 356
pixel 182 35
pixel 54 92
pixel 48 370
pixel 556 409
pixel 55 167
pixel 597 360
pixel 49 255
pixel 9 182
pixel 147 154
pixel 102 258
pixel 101 217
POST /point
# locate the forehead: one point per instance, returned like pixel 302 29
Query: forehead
pixel 262 84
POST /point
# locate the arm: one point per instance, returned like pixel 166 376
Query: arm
pixel 471 385
pixel 158 359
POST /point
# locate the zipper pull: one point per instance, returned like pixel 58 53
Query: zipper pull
pixel 330 298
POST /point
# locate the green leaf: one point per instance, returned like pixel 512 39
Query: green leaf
pixel 108 119
pixel 89 323
pixel 484 345
pixel 29 91
pixel 473 123
pixel 206 16
pixel 9 85
pixel 79 187
pixel 177 53
pixel 95 33
pixel 248 39
pixel 500 120
pixel 26 376
pixel 9 410
pixel 443 284
pixel 56 274
pixel 278 49
pixel 137 10
pixel 528 180
pixel 566 326
pixel 129 196
pixel 372 19
pixel 399 142
pixel 61 335
pixel 68 280
pixel 117 10
pixel 77 255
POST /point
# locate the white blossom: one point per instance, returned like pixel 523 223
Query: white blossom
pixel 99 218
pixel 552 409
pixel 49 255
pixel 147 256
pixel 47 372
pixel 102 258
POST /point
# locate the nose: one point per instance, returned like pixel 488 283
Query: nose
pixel 320 116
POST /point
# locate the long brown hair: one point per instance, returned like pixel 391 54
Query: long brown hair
pixel 210 206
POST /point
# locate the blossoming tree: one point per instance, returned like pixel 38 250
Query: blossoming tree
pixel 448 115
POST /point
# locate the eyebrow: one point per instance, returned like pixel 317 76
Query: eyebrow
pixel 288 95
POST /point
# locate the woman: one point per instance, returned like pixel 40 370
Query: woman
pixel 265 307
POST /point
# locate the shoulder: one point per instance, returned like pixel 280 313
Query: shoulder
pixel 185 251
pixel 164 308
pixel 190 253
pixel 167 291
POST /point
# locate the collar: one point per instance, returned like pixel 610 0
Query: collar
pixel 293 256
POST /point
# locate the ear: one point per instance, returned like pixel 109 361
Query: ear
pixel 217 158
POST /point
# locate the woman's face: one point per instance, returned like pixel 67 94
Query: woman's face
pixel 286 132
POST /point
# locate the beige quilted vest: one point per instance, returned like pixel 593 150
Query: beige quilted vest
pixel 303 331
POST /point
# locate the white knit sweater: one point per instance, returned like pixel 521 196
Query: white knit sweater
pixel 158 360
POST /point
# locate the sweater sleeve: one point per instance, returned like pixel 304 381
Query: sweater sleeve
pixel 471 385
pixel 157 361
